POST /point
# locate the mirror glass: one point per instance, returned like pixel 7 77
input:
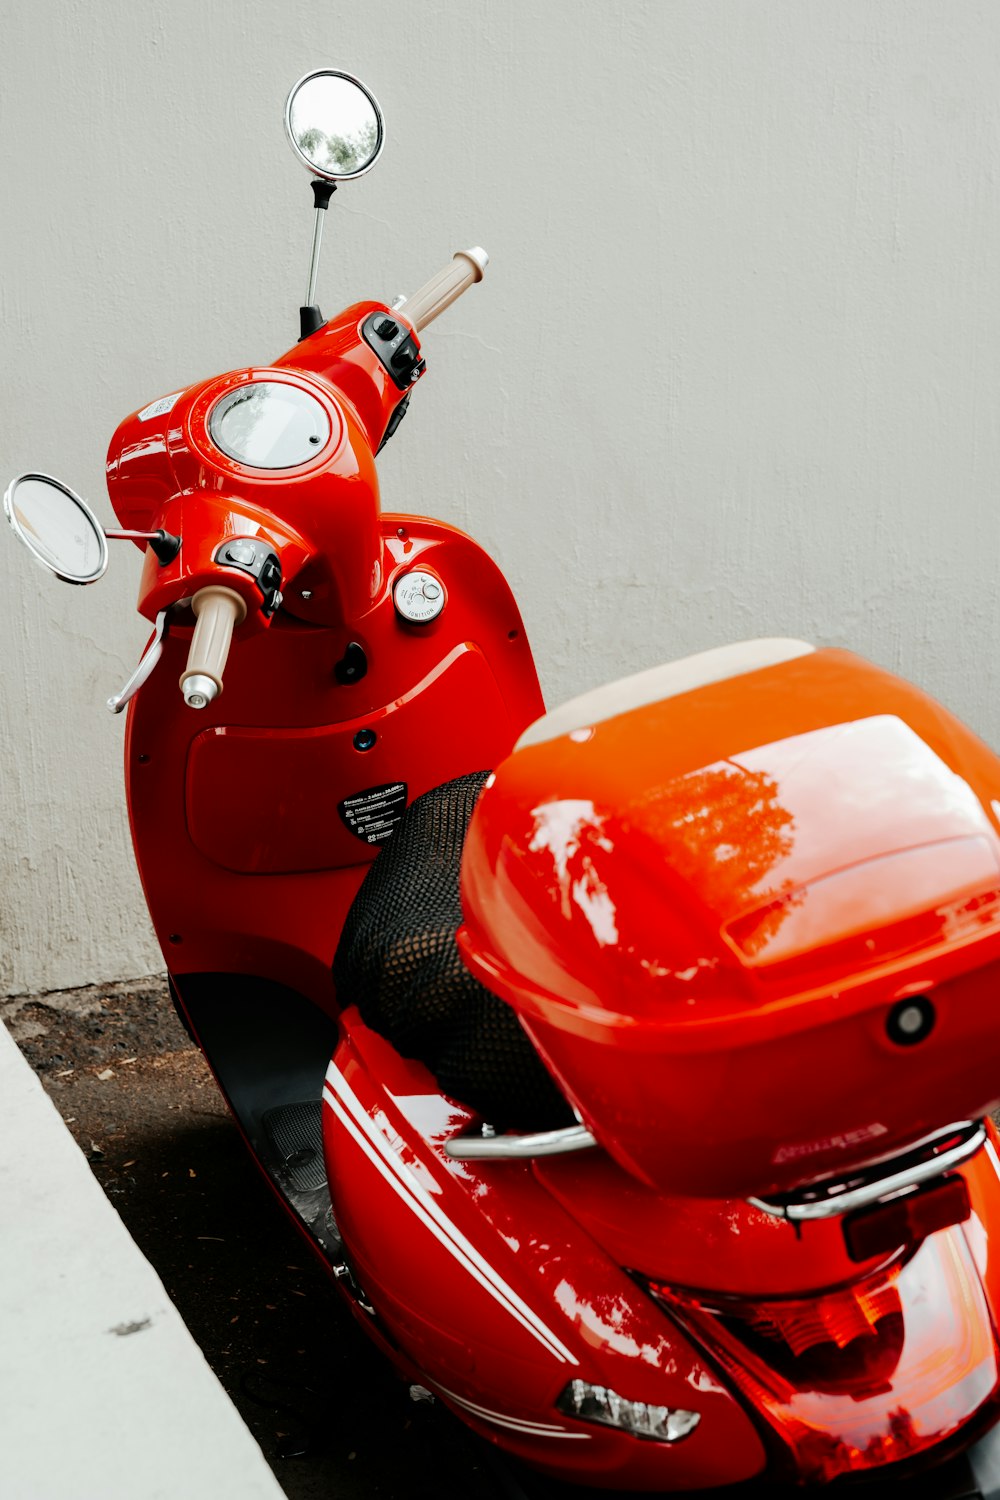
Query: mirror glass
pixel 58 527
pixel 334 125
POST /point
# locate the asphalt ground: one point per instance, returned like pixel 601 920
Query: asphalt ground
pixel 331 1417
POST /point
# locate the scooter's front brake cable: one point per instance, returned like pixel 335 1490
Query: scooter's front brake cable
pixel 144 668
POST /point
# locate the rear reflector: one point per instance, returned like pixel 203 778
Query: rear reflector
pixel 873 1232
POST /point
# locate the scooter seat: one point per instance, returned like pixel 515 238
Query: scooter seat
pixel 399 963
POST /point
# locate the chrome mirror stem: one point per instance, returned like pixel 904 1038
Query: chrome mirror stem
pixel 314 258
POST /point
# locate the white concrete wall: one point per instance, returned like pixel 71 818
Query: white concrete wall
pixel 735 369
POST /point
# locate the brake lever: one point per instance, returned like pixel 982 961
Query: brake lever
pixel 145 666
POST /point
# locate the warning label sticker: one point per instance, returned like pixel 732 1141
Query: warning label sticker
pixel 373 814
pixel 159 408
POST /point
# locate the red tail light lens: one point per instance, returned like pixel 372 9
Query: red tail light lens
pixel 866 1375
pixel 873 1232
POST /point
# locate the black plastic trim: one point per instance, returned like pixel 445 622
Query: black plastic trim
pixel 311 320
pixel 398 352
pixel 263 566
pixel 267 1044
pixel 323 191
pixel 398 414
pixel 164 547
pixel 352 666
pixel 268 1047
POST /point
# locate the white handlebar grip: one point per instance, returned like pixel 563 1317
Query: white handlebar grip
pixel 467 266
pixel 219 611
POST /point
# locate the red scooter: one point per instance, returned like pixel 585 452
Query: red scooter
pixel 626 1065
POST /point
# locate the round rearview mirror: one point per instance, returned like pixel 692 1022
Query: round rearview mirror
pixel 334 125
pixel 57 527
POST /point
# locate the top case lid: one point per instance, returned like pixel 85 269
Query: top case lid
pixel 699 857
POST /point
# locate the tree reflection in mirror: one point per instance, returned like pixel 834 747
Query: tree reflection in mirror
pixel 342 153
pixel 334 124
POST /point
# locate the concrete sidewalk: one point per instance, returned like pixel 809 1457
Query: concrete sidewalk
pixel 104 1395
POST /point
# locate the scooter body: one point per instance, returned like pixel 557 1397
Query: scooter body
pixel 503 1287
pixel 669 1295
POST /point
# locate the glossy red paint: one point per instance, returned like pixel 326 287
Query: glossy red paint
pixel 498 1284
pixel 339 356
pixel 677 1240
pixel 750 1253
pixel 246 864
pixel 500 1296
pixel 491 1279
pixel 705 909
pixel 250 786
pixel 322 517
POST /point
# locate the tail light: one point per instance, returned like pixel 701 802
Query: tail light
pixel 865 1375
pixel 872 1233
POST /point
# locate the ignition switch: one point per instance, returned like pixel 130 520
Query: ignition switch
pixel 418 597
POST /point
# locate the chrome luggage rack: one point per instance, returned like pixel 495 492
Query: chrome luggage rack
pixel 489 1147
pixel 888 1178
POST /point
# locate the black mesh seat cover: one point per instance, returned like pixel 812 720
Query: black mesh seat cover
pixel 398 962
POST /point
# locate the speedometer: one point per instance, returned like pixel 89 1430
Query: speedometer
pixel 269 425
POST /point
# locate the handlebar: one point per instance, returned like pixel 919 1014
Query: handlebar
pixel 219 611
pixel 467 267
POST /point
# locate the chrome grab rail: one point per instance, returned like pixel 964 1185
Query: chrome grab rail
pixel 885 1180
pixel 519 1147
